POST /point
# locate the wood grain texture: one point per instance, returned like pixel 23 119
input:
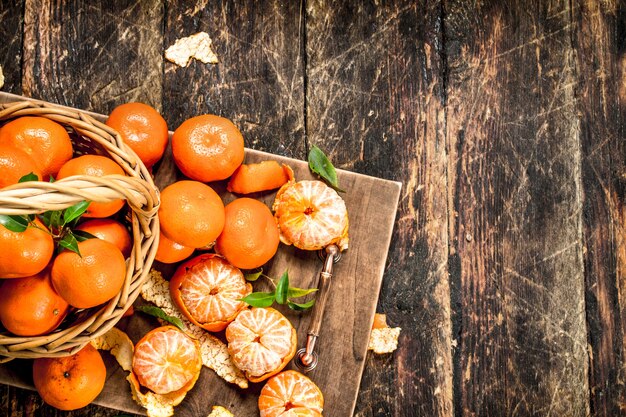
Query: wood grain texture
pixel 519 315
pixel 91 55
pixel 601 63
pixel 258 83
pixel 11 29
pixel 375 105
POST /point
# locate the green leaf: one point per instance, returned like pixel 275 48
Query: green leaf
pixel 259 299
pixel 69 242
pixel 52 219
pixel 282 288
pixel 300 306
pixel 29 177
pixel 14 223
pixel 160 314
pixel 321 165
pixel 74 212
pixel 51 179
pixel 253 276
pixel 299 292
pixel 82 235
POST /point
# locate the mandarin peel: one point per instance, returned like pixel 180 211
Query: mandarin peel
pixel 383 339
pixel 219 411
pixel 214 352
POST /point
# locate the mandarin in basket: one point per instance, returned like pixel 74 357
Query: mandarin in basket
pixel 91 278
pixel 142 128
pixel 290 394
pixel 250 236
pixel 96 166
pixel 170 252
pixel 261 342
pixel 30 306
pixel 311 215
pixel 166 361
pixel 207 148
pixel 207 289
pixel 46 141
pixel 70 382
pixel 191 213
pixel 110 230
pixel 26 253
pixel 14 164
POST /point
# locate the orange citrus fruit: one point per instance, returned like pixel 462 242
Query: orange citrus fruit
pixel 311 215
pixel 252 178
pixel 46 141
pixel 290 394
pixel 166 360
pixel 261 342
pixel 70 382
pixel 207 148
pixel 26 253
pixel 96 166
pixel 142 128
pixel 250 236
pixel 170 252
pixel 207 289
pixel 110 230
pixel 30 306
pixel 191 213
pixel 14 164
pixel 91 278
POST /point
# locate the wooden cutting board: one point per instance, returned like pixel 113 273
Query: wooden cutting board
pixel 342 345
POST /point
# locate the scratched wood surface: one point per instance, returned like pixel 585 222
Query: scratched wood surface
pixel 505 121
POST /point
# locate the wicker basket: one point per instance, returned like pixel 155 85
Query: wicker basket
pixel 137 188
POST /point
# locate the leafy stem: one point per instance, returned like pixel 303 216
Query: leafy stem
pixel 282 293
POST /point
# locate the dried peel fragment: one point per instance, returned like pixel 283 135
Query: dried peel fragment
pixel 214 352
pixel 219 411
pixel 383 339
pixel 196 46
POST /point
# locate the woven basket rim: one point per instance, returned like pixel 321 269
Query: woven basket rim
pixel 136 187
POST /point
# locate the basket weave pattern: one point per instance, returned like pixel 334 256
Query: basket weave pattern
pixel 137 188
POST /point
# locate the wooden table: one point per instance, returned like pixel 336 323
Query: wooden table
pixel 504 120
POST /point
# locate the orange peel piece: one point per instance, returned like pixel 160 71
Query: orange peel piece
pixel 262 176
pixel 383 339
pixel 311 215
pixel 219 411
pixel 214 352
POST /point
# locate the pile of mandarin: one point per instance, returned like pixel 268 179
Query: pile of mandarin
pixel 211 243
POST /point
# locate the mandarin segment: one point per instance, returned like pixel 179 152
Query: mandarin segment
pixel 208 290
pixel 261 341
pixel 166 360
pixel 290 394
pixel 311 215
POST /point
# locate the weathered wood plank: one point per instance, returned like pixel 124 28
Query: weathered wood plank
pixel 515 173
pixel 11 29
pixel 93 56
pixel 258 83
pixel 375 105
pixel 601 61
